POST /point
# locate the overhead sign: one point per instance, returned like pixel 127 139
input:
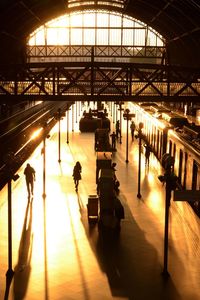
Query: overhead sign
pixel 129 116
pixel 186 195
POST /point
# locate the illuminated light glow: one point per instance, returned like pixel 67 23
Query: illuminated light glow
pixel 155 203
pixel 110 28
pixel 36 133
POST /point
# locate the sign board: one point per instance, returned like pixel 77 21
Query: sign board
pixel 186 195
pixel 129 116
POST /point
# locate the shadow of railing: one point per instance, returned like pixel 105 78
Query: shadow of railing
pixel 77 247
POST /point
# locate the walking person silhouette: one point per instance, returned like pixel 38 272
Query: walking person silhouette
pixel 29 173
pixel 147 154
pixel 77 174
pixel 132 127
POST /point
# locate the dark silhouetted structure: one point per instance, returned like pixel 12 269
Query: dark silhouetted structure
pixel 77 174
pixel 29 173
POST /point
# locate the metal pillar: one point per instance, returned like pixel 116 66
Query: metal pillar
pixel 59 118
pixel 128 117
pixel 44 167
pixel 171 182
pixel 166 234
pixel 127 140
pixel 139 165
pixel 79 108
pixel 76 112
pixel 68 126
pixel 116 113
pixel 72 117
pixel 113 112
pixel 139 157
pixel 120 121
pixel 10 271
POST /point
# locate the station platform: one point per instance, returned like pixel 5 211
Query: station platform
pixel 57 255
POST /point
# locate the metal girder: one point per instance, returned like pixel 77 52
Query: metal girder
pixel 10 99
pixel 99 79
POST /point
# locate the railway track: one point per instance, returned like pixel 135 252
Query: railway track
pixel 17 140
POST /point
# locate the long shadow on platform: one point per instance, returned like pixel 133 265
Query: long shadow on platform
pixel 23 267
pixel 129 261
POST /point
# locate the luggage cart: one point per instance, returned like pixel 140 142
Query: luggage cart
pixel 93 208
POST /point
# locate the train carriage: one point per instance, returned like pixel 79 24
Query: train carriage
pixel 187 163
pixel 154 130
pixel 172 133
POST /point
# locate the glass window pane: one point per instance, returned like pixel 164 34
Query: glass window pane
pixel 115 21
pixel 39 37
pixel 76 36
pixel 139 37
pixel 102 36
pixel 63 22
pixel 60 22
pixel 138 24
pixel 89 20
pixel 151 39
pixel 128 37
pixel 31 41
pixel 63 36
pixel 52 36
pixel 115 37
pixel 102 20
pixel 76 20
pixel 89 37
pixel 159 42
pixel 128 23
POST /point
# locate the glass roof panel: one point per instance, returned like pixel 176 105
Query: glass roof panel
pixel 73 30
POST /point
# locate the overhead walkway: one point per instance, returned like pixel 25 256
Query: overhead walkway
pixel 57 255
pixel 105 81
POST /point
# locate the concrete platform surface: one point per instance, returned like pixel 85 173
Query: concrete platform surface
pixel 57 255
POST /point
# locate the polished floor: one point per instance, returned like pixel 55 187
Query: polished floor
pixel 56 255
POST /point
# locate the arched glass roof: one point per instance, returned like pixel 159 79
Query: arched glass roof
pixel 106 35
pixel 95 27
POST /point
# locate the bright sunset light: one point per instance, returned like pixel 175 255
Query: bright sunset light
pixel 95 28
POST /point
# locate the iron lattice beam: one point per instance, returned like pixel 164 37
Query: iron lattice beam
pixel 99 79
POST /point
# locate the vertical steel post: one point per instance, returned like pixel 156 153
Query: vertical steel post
pixel 120 121
pixel 167 205
pixel 72 117
pixel 76 112
pixel 113 112
pixel 44 167
pixel 116 113
pixel 171 181
pixel 127 139
pixel 139 162
pixel 120 133
pixel 59 118
pixel 10 271
pixel 79 108
pixel 68 126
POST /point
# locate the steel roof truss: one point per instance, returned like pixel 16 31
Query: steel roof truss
pixel 187 83
pixel 149 81
pixel 34 80
pixel 110 80
pixel 73 80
